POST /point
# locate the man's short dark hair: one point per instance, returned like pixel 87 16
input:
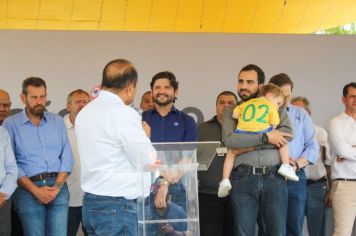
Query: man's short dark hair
pixel 165 75
pixel 281 80
pixel 345 91
pixel 259 71
pixel 77 91
pixel 226 93
pixel 118 74
pixel 32 81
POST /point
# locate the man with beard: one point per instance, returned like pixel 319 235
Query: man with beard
pixel 303 149
pixel 44 160
pixel 257 188
pixel 168 124
pixel 76 100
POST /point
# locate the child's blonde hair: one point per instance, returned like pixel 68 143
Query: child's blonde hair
pixel 274 90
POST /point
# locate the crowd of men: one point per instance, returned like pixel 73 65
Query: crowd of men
pixel 56 173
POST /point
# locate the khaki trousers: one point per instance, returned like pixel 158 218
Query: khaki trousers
pixel 344 206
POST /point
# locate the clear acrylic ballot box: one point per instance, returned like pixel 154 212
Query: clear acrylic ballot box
pixel 167 202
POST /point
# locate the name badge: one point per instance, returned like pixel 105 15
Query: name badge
pixel 221 151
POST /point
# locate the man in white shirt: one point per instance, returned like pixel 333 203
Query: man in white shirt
pixel 342 139
pixel 317 175
pixel 113 147
pixel 76 100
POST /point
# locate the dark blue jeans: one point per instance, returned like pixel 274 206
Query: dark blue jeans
pixel 74 220
pixel 109 215
pixel 297 195
pixel 315 209
pixel 42 219
pixel 259 195
pixel 173 215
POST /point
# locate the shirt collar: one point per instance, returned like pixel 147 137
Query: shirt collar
pixel 153 110
pixel 346 116
pixel 25 119
pixel 67 122
pixel 110 95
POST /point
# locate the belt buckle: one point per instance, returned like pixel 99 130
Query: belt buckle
pixel 258 172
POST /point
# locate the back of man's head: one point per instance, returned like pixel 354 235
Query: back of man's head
pixel 118 74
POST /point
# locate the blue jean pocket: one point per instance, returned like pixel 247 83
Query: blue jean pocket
pixel 102 221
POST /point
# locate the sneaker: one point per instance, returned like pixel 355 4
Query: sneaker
pixel 287 171
pixel 224 188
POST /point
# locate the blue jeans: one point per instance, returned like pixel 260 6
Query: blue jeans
pixel 178 194
pixel 315 209
pixel 259 195
pixel 109 215
pixel 297 195
pixel 42 219
pixel 171 212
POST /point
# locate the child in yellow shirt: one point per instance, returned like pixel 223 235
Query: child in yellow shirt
pixel 257 116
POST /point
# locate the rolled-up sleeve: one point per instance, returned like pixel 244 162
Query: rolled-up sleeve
pixel 9 182
pixel 66 157
pixel 311 146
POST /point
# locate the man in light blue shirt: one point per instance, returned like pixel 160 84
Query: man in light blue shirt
pixel 8 178
pixel 44 160
pixel 303 150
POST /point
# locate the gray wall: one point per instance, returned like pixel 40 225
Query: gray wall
pixel 204 64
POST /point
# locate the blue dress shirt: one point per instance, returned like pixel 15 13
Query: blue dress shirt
pixel 8 168
pixel 175 127
pixel 304 142
pixel 39 149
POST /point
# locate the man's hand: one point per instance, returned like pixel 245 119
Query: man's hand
pixel 328 200
pixel 46 194
pixel 146 128
pixel 340 159
pixel 2 200
pixel 277 137
pixel 161 196
pixel 293 163
pixel 173 176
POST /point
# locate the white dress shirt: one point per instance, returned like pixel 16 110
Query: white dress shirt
pixel 318 170
pixel 113 148
pixel 342 139
pixel 73 180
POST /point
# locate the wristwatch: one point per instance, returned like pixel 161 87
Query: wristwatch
pixel 162 181
pixel 59 185
pixel 264 138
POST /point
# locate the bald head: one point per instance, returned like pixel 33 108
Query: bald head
pixel 5 105
pixel 146 101
pixel 119 74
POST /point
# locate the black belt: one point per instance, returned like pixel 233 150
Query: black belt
pixel 43 176
pixel 341 179
pixel 310 181
pixel 258 170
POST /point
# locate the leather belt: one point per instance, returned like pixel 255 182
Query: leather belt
pixel 43 176
pixel 321 180
pixel 258 170
pixel 341 179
